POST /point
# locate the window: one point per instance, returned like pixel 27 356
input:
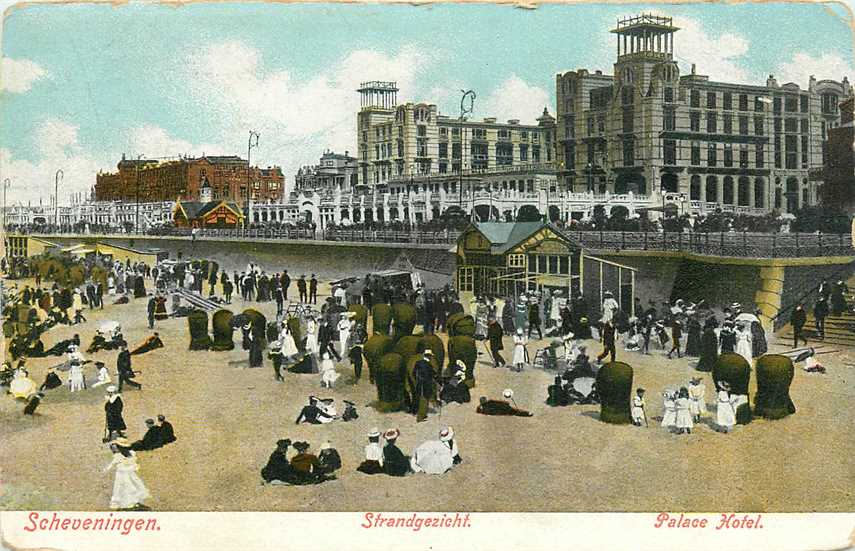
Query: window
pixel 628 153
pixel 455 133
pixel 711 155
pixel 456 151
pixel 728 155
pixel 601 124
pixel 421 130
pixel 696 154
pixel 711 122
pixel 626 95
pixel 628 115
pixel 695 121
pixel 669 152
pixel 804 126
pixel 695 98
pixel 443 150
pixel 758 126
pixel 668 94
pixel 377 133
pixel 805 196
pixel 778 152
pixel 523 152
pixel 465 279
pixel 758 157
pixel 791 125
pixel 669 119
pixel 743 102
pixel 776 106
pixel 803 104
pixel 535 154
pixel 727 101
pixel 743 124
pixel 829 104
pixel 516 261
pixel 791 104
pixel 791 146
pixel 778 124
pixel 710 100
pixel 759 106
pixel 570 126
pixel 804 151
pixel 443 132
pixel 546 264
pixel 727 119
pixel 743 157
pixel 590 125
pixel 479 134
pixel 504 134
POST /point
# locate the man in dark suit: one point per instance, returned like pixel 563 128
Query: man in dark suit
pixel 608 339
pixel 424 390
pixel 301 288
pixel 798 320
pixel 123 366
pixel 150 308
pixel 325 338
pixel 151 440
pixel 494 335
pixel 286 282
pixel 311 413
pixel 313 290
pixel 167 433
pixel 820 312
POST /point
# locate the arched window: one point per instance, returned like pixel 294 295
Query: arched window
pixel 743 191
pixel 711 195
pixel 695 188
pixel 759 193
pixel 728 191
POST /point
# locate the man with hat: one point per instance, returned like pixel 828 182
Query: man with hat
pixel 534 318
pixel 123 366
pixel 500 407
pixel 167 433
pixel 311 413
pixel 798 320
pixel 608 338
pixel 494 336
pixel 446 436
pixel 151 440
pixel 455 390
pixel 424 389
pixel 301 289
pixel 313 290
pixel 278 468
pixel 350 413
pixel 676 335
pixel 395 463
pixel 113 406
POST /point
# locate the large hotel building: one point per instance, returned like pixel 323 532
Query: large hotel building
pixel 648 129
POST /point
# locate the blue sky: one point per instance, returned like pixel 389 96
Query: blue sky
pixel 82 84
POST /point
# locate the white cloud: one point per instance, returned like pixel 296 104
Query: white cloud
pixel 155 142
pixel 18 75
pixel 57 146
pixel 800 68
pixel 514 99
pixel 719 57
pixel 297 118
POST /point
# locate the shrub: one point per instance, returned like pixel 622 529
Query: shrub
pixel 198 323
pixel 407 346
pixel 222 325
pixel 375 348
pixel 463 348
pixel 735 370
pixel 76 276
pixel 381 317
pixel 258 324
pixel 455 308
pixel 435 345
pixel 404 315
pixel 460 325
pixel 390 383
pixel 614 385
pixel 774 375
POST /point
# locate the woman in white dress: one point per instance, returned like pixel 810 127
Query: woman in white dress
pixel 128 489
pixel 289 347
pixel 520 353
pixel 684 415
pixel 697 403
pixel 328 373
pixel 669 417
pixel 344 332
pixel 76 379
pixel 103 375
pixel 725 414
pixel 312 337
pixel 610 306
pixel 111 285
pixel 743 342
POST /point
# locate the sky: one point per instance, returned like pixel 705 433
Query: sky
pixel 82 84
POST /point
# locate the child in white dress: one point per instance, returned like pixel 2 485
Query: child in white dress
pixel 76 380
pixel 328 372
pixel 638 416
pixel 684 415
pixel 697 403
pixel 725 414
pixel 669 417
pixel 520 352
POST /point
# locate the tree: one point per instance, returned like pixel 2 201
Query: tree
pixel 529 213
pixel 825 219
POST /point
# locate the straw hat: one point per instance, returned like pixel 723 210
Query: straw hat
pixel 446 434
pixel 392 434
pixel 508 393
pixel 374 433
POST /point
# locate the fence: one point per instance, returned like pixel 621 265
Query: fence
pixel 726 244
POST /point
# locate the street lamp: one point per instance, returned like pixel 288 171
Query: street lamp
pixel 464 109
pixel 249 145
pixel 57 177
pixel 137 223
pixel 6 184
pixel 589 170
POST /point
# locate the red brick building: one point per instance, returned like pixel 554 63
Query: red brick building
pixel 838 189
pixel 182 179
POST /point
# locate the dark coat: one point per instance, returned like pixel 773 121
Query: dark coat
pixel 423 374
pixel 395 463
pixel 799 318
pixel 494 334
pixel 113 411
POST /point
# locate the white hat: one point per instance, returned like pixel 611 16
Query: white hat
pixel 428 352
pixel 374 433
pixel 461 364
pixel 111 388
pixel 446 434
pixel 508 393
pixel 519 331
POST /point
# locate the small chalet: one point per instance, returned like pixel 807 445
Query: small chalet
pixel 213 214
pixel 508 258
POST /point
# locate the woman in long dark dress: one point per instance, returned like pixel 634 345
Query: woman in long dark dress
pixel 278 467
pixel 838 298
pixel 758 338
pixel 693 340
pixel 709 346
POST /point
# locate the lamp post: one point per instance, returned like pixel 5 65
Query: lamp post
pixel 57 177
pixel 464 109
pixel 252 142
pixel 6 183
pixel 589 171
pixel 137 205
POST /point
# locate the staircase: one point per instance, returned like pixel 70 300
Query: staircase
pixel 839 330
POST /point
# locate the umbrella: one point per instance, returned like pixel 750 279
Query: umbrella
pixel 433 457
pixel 583 385
pixel 750 318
